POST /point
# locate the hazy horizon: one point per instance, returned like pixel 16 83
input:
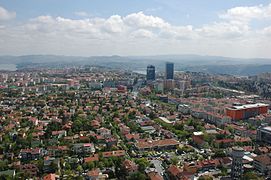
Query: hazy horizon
pixel 139 56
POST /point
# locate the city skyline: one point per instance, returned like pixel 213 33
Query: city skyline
pixel 135 90
pixel 232 29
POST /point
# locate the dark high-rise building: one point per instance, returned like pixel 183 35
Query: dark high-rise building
pixel 151 73
pixel 237 163
pixel 169 71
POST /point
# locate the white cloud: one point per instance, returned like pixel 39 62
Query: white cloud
pixel 114 24
pixel 139 34
pixel 142 33
pixel 267 31
pixel 247 13
pixel 223 30
pixel 140 20
pixel 6 15
pixel 178 32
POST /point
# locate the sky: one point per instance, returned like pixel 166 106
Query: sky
pixel 232 28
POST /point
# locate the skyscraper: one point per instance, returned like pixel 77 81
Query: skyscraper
pixel 237 163
pixel 169 71
pixel 150 73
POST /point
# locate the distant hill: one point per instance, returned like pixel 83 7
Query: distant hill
pixel 208 64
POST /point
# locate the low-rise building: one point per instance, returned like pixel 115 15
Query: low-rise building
pixel 262 163
pixel 129 166
pixel 83 148
pixel 145 144
pixel 31 154
pixel 264 134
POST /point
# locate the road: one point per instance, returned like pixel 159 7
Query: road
pixel 158 166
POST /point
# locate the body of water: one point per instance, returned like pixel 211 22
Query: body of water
pixel 8 67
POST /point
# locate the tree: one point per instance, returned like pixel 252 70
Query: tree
pixel 3 165
pixel 101 164
pixel 79 169
pixel 142 164
pixel 219 153
pixel 224 171
pixel 137 176
pixel 152 115
pixel 205 178
pixel 251 176
pixel 68 166
pixel 53 166
pixel 174 160
pixel 90 165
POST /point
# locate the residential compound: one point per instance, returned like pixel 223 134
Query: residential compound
pixel 98 123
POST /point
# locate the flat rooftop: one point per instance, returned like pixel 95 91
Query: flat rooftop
pixel 166 120
pixel 267 128
pixel 248 106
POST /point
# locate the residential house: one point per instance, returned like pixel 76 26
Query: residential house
pixel 50 164
pixel 57 151
pixel 148 144
pixel 92 158
pixel 31 154
pixel 154 176
pixel 59 134
pixel 129 166
pixel 174 172
pixel 118 153
pixel 51 176
pixel 198 139
pixel 30 169
pixel 83 148
pixel 96 174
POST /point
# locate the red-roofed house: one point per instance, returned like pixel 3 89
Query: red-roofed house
pixel 174 172
pixel 129 166
pixel 94 157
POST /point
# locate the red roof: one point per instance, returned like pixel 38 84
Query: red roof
pixel 156 143
pixel 49 177
pixel 174 170
pixel 94 172
pixel 60 148
pixel 114 153
pixel 129 165
pixel 224 141
pixel 206 163
pixel 154 176
pixel 95 157
pixel 32 151
pixel 198 139
pixel 263 159
pixel 132 136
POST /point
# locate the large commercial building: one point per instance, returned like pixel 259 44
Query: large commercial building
pixel 246 111
pixel 169 84
pixel 169 71
pixel 150 73
pixel 264 134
